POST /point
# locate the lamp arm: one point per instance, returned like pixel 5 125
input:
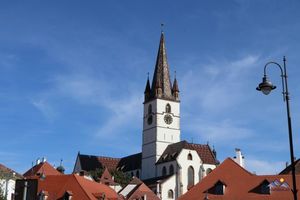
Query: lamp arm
pixel 283 76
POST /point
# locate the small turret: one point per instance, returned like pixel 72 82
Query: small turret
pixel 147 90
pixel 61 168
pixel 175 90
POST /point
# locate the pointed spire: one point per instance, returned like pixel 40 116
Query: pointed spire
pixel 175 89
pixel 147 89
pixel 161 77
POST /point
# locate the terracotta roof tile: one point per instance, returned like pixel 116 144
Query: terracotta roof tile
pixel 43 167
pixel 106 178
pixel 80 187
pixel 239 184
pixel 288 169
pixel 9 171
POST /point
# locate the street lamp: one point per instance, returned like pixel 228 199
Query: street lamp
pixel 266 87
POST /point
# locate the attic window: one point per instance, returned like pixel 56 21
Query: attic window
pixel 165 156
pixel 218 188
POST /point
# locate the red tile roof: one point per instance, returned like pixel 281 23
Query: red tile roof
pixel 8 171
pixel 140 191
pixel 80 187
pixel 106 178
pixel 43 167
pixel 288 169
pixel 239 184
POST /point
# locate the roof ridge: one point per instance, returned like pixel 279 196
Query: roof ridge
pixel 77 178
pixel 99 156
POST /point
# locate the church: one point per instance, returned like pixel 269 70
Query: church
pixel 167 165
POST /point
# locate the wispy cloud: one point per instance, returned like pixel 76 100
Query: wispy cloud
pixel 264 167
pixel 219 84
pixel 45 108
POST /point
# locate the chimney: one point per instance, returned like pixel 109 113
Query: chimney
pixel 44 159
pixel 239 158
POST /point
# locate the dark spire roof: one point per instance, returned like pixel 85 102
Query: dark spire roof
pixel 147 89
pixel 161 77
pixel 175 86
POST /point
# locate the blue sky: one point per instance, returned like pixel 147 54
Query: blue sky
pixel 72 77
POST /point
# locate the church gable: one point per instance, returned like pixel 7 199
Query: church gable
pixel 172 151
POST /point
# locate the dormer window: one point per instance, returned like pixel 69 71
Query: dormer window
pixel 218 188
pixel 190 157
pixel 68 195
pixel 262 188
pixel 168 108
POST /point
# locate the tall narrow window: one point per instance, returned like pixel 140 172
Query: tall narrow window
pixel 190 157
pixel 191 177
pixel 168 108
pixel 170 194
pixel 164 171
pixel 171 169
pixel 149 109
pixel 137 174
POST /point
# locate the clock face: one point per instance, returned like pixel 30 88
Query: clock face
pixel 168 119
pixel 149 120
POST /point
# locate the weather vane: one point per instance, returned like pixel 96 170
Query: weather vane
pixel 162 27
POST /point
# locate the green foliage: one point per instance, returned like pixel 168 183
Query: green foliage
pixel 97 173
pixel 119 176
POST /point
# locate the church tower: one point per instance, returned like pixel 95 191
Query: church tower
pixel 161 120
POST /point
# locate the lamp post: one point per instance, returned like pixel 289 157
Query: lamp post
pixel 266 87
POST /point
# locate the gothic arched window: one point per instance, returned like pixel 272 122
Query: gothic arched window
pixel 170 194
pixel 171 169
pixel 168 108
pixel 164 171
pixel 190 157
pixel 149 109
pixel 191 176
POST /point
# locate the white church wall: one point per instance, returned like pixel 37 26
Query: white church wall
pixel 169 184
pixel 184 163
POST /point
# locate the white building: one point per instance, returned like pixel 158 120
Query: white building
pixel 8 181
pixel 166 164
